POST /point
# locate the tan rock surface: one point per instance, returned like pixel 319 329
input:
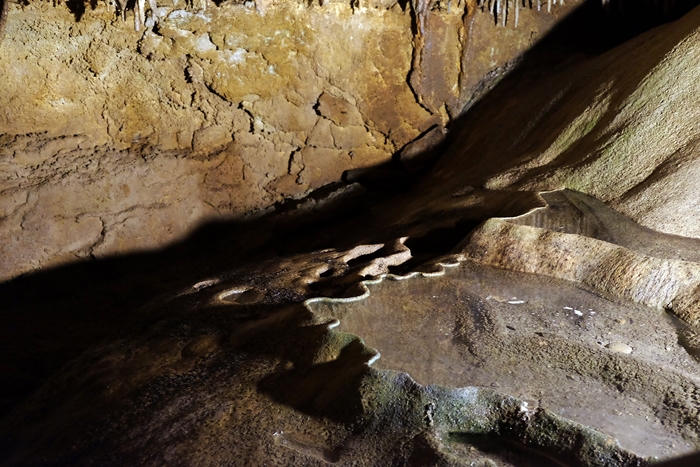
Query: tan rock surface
pixel 208 116
pixel 241 106
pixel 628 263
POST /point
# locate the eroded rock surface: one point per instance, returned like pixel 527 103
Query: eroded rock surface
pixel 106 133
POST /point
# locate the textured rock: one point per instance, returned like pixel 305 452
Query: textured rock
pixel 621 127
pixel 203 119
pixel 242 106
pixel 211 353
pixel 615 270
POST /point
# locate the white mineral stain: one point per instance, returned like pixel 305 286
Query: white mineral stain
pixel 203 16
pixel 204 44
pixel 238 56
pixel 619 347
pixel 205 284
pixel 180 16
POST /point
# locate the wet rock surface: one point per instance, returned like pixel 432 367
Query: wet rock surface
pixel 242 364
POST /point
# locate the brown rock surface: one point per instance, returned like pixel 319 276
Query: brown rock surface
pixel 524 327
pixel 208 116
pixel 211 115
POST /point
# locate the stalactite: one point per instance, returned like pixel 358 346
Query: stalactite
pixel 140 10
pixel 421 9
pixel 500 9
pixel 139 15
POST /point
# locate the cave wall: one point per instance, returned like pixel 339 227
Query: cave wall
pixel 113 140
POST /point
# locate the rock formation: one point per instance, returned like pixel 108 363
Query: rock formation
pixel 214 115
pixel 350 233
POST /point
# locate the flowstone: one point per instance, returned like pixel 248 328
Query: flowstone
pixel 461 363
pixel 577 348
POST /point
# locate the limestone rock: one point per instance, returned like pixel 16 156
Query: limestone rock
pixel 223 99
pixel 617 265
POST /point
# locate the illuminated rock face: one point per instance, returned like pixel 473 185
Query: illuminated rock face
pixel 106 134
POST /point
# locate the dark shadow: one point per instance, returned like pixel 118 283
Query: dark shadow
pixel 77 8
pixel 504 450
pixel 48 318
pixel 434 243
pixel 691 460
pixel 616 22
pixel 330 389
pixel 424 453
pixel 389 177
pixel 404 4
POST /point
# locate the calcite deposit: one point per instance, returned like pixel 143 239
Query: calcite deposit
pixel 373 233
